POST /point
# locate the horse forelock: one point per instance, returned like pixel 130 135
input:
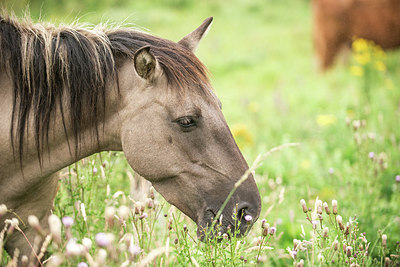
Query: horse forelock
pixel 49 64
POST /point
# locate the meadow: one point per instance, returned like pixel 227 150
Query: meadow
pixel 331 200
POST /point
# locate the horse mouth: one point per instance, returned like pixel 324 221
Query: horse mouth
pixel 237 225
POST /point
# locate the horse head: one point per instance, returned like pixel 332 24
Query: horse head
pixel 178 139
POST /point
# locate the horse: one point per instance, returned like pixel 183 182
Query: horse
pixel 337 23
pixel 67 92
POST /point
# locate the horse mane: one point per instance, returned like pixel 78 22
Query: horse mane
pixel 71 67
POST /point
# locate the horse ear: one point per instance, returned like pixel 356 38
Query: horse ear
pixel 145 63
pixel 192 40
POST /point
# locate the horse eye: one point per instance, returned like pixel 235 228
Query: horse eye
pixel 186 122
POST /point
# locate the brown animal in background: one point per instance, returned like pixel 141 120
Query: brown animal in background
pixel 337 22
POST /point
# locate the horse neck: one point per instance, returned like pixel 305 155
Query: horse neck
pixel 59 151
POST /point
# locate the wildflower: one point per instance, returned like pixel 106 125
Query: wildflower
pixel 151 193
pixel 331 171
pixel 362 58
pixel 334 207
pixel 82 264
pixel 356 124
pixel 360 45
pixel 67 221
pixel 380 66
pixel 272 230
pixel 263 223
pixel 320 257
pixel 185 228
pixel 348 251
pixel 55 228
pixel 134 250
pixel 319 206
pixel 248 218
pixel 109 214
pixel 397 178
pixel 303 205
pixel 357 71
pixel 301 263
pixel 87 243
pixel 104 239
pixel 3 209
pixel 94 170
pixel 387 261
pixel 384 240
pixel 123 212
pixel 242 135
pixel 339 220
pixel 371 155
pixel 139 208
pixel 335 245
pixel 325 232
pixel 101 257
pixel 150 203
pixel 314 224
pixel 326 207
pixel 326 119
pixel 73 249
pixel 296 243
pixel 143 216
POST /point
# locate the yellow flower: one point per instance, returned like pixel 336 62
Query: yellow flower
pixel 326 119
pixel 350 113
pixel 242 135
pixel 363 58
pixel 356 71
pixel 360 45
pixel 379 65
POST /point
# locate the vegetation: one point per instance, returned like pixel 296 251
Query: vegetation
pixel 261 58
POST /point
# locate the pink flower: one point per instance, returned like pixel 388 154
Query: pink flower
pixel 67 221
pixel 248 218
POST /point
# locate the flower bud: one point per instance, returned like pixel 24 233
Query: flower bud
pixel 326 207
pixel 334 207
pixel 319 206
pixel 73 249
pixel 348 251
pixel 272 230
pixel 296 243
pixel 303 205
pixel 55 228
pixel 109 214
pixel 301 263
pixel 384 240
pixel 325 232
pixel 335 245
pixel 87 243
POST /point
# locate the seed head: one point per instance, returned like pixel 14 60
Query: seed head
pixel 384 240
pixel 73 249
pixel 55 228
pixel 334 207
pixel 123 212
pixel 87 243
pixel 33 221
pixel 303 205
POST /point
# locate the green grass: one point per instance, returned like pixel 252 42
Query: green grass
pixel 263 69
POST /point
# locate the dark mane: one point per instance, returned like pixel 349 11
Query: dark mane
pixel 70 68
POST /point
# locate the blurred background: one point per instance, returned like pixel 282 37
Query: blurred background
pixel 261 57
